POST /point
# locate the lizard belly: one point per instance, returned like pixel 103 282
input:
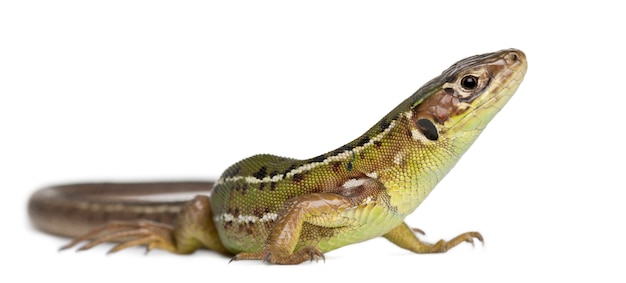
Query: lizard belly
pixel 367 221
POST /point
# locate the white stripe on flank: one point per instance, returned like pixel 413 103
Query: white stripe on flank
pixel 227 217
pixel 309 166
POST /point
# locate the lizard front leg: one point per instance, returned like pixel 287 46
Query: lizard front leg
pixel 193 229
pixel 284 236
pixel 404 237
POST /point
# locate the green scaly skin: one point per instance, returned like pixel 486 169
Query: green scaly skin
pixel 286 211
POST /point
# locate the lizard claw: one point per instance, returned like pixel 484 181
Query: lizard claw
pixel 419 231
pixel 234 258
pixel 470 236
pixel 465 237
pixel 317 254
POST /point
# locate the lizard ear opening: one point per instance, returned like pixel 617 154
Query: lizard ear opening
pixel 428 129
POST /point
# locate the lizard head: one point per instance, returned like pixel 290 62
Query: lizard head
pixel 432 129
pixel 464 98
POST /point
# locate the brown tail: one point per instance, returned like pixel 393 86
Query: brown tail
pixel 73 209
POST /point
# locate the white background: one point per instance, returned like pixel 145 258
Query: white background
pixel 140 90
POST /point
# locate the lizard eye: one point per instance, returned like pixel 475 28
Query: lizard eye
pixel 469 82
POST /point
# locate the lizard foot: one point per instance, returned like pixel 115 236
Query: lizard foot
pixel 129 234
pixel 442 246
pixel 307 253
pixel 405 237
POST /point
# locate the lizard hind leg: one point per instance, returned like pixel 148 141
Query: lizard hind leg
pixel 192 230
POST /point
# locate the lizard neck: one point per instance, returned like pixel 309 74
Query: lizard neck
pixel 408 164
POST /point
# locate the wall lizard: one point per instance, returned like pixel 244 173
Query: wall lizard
pixel 286 211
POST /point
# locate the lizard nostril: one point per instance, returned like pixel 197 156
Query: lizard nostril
pixel 512 57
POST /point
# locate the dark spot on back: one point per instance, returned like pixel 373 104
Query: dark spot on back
pixel 363 141
pixel 293 166
pixel 378 143
pixel 384 124
pixel 335 165
pixel 340 150
pixel 273 186
pixel 274 173
pixel 258 212
pixel 240 187
pixel 298 177
pixel 349 166
pixel 261 186
pixel 317 159
pixel 261 173
pixel 362 154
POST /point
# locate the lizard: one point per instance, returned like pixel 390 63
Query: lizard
pixel 287 211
